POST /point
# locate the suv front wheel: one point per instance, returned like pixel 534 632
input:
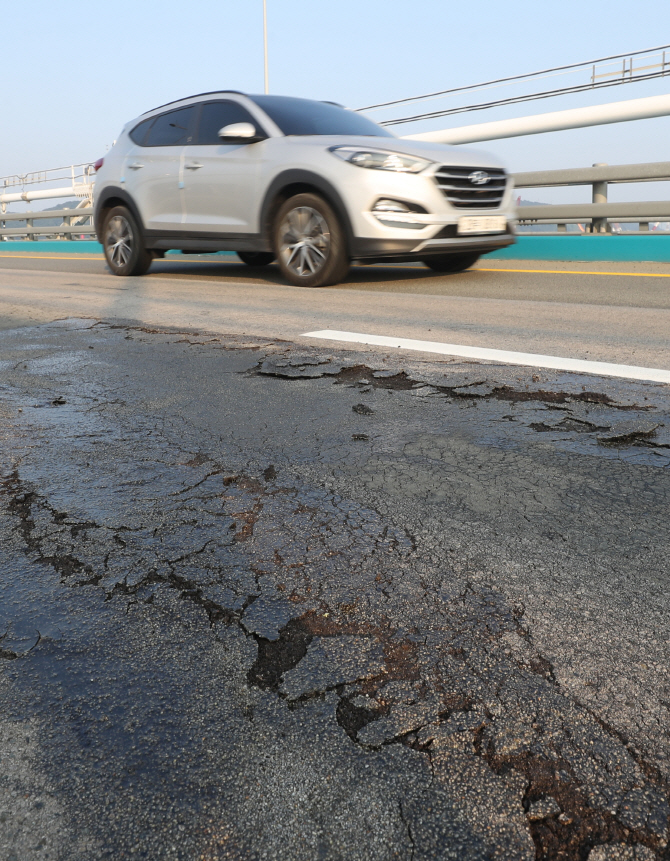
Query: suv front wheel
pixel 122 243
pixel 309 242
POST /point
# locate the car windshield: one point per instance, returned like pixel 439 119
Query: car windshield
pixel 306 117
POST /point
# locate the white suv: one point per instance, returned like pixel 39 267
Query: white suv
pixel 309 184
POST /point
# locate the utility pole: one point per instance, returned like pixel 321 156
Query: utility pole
pixel 265 44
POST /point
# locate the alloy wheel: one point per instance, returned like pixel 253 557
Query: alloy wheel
pixel 119 240
pixel 305 241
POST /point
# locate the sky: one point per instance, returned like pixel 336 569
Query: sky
pixel 76 73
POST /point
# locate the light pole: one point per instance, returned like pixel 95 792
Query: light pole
pixel 265 44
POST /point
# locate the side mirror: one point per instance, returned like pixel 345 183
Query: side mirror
pixel 239 133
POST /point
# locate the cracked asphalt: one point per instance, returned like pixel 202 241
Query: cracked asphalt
pixel 268 601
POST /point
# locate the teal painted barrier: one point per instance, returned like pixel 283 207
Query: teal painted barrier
pixel 617 247
pixel 79 246
pixel 607 247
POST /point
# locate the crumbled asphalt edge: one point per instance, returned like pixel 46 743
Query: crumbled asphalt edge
pixel 584 823
pixel 277 360
pixel 364 375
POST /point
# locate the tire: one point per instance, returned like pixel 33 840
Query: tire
pixel 122 243
pixel 310 242
pixel 451 262
pixel 256 258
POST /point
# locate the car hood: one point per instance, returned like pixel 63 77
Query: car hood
pixel 440 153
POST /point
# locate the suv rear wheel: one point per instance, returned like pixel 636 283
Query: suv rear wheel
pixel 122 243
pixel 256 258
pixel 310 243
pixel 451 262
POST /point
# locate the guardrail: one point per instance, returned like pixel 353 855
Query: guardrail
pixel 78 221
pixel 597 216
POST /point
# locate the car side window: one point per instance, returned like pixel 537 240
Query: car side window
pixel 171 129
pixel 138 134
pixel 216 115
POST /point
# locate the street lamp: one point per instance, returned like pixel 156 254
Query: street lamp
pixel 265 44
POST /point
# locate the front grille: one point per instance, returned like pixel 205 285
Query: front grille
pixel 461 192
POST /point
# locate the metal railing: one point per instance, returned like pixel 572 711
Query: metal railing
pixel 71 222
pixel 76 180
pixel 597 216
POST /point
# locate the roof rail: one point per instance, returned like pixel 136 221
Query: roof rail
pixel 195 96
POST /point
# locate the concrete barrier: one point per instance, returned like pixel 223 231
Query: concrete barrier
pixel 589 247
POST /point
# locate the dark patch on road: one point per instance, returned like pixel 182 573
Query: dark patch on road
pixel 629 432
pixel 353 718
pixel 278 656
pixel 270 473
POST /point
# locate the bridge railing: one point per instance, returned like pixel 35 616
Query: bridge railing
pixel 70 223
pixel 597 216
pixel 74 181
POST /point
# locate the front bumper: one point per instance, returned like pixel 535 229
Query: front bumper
pixel 366 250
pixel 381 235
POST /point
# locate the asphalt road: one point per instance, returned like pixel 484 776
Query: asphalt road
pixel 582 311
pixel 262 598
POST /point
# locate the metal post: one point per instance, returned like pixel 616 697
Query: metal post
pixel 29 223
pixel 644 227
pixel 599 225
pixel 562 228
pixel 265 44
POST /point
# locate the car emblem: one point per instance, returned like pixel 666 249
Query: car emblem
pixel 479 177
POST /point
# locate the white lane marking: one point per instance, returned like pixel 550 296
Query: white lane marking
pixel 558 363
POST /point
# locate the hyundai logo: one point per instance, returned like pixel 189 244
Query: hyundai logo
pixel 479 177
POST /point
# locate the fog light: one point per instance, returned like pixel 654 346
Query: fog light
pixel 395 213
pixel 391 206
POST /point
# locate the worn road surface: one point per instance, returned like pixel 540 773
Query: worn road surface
pixel 608 312
pixel 262 600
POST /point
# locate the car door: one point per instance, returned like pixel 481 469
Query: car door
pixel 221 179
pixel 153 170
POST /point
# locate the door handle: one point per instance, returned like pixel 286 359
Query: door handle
pixel 135 165
pixel 193 166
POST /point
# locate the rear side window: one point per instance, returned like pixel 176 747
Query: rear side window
pixel 172 129
pixel 140 131
pixel 215 115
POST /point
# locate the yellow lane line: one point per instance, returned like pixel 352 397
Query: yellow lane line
pixel 65 256
pixel 579 272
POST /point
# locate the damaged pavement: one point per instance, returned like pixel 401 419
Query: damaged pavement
pixel 261 600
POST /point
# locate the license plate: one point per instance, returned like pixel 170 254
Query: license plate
pixel 482 224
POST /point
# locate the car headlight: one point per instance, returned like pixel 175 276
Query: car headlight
pixel 379 159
